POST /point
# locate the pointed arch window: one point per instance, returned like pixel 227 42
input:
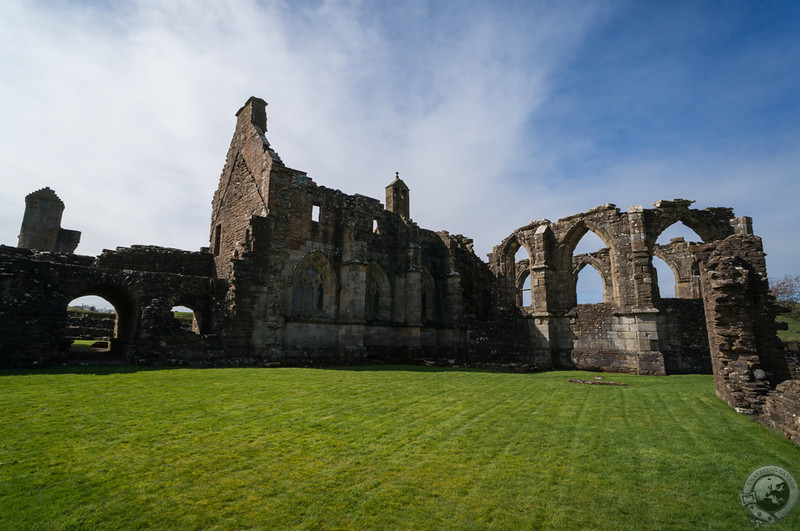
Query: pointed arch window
pixel 372 302
pixel 427 312
pixel 309 292
pixel 377 294
pixel 428 298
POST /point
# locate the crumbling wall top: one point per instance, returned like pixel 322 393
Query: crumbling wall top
pixel 254 111
pixel 44 194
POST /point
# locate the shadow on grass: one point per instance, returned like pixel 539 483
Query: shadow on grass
pixel 419 368
pixel 98 368
pixel 76 368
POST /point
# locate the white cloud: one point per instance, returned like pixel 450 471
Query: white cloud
pixel 127 113
pixel 132 122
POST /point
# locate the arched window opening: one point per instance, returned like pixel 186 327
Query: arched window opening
pixel 521 261
pixel 372 297
pixel 309 292
pixel 666 278
pixel 521 254
pixel 678 277
pixel 522 271
pixel 377 294
pixel 298 297
pixel 589 243
pixel 678 231
pixel 525 299
pixel 424 305
pixel 91 326
pixel 589 288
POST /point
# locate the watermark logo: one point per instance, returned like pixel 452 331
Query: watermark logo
pixel 770 493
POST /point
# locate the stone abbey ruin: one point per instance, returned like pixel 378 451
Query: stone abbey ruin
pixel 300 274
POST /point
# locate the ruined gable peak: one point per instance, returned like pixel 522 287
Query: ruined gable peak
pixel 254 111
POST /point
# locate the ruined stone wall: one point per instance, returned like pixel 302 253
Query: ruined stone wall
pixel 322 275
pixel 89 327
pixel 593 332
pixel 781 409
pixel 746 354
pixel 595 337
pixel 752 372
pixel 41 224
pixel 244 186
pixel 36 287
pixel 679 256
pixel 376 270
pixel 158 260
pixel 643 333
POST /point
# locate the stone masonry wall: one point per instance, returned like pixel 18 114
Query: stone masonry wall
pixel 35 288
pixel 86 327
pixel 380 283
pixel 751 370
pixel 595 337
pixel 683 338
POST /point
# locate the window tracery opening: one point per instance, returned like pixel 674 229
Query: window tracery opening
pixel 309 292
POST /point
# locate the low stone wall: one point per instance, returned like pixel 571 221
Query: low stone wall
pixel 88 327
pixel 782 410
pixel 594 337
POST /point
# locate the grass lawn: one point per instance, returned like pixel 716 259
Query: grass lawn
pixel 84 342
pixel 375 447
pixel 793 320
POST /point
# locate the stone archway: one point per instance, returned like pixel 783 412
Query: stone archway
pixel 567 267
pixel 124 328
pixel 600 262
pixel 378 294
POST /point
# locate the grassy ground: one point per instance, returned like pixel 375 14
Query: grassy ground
pixel 793 320
pixel 83 342
pixel 386 448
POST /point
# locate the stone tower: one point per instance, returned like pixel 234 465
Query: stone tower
pixel 397 199
pixel 41 224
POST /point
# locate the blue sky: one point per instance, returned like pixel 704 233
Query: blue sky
pixel 494 113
